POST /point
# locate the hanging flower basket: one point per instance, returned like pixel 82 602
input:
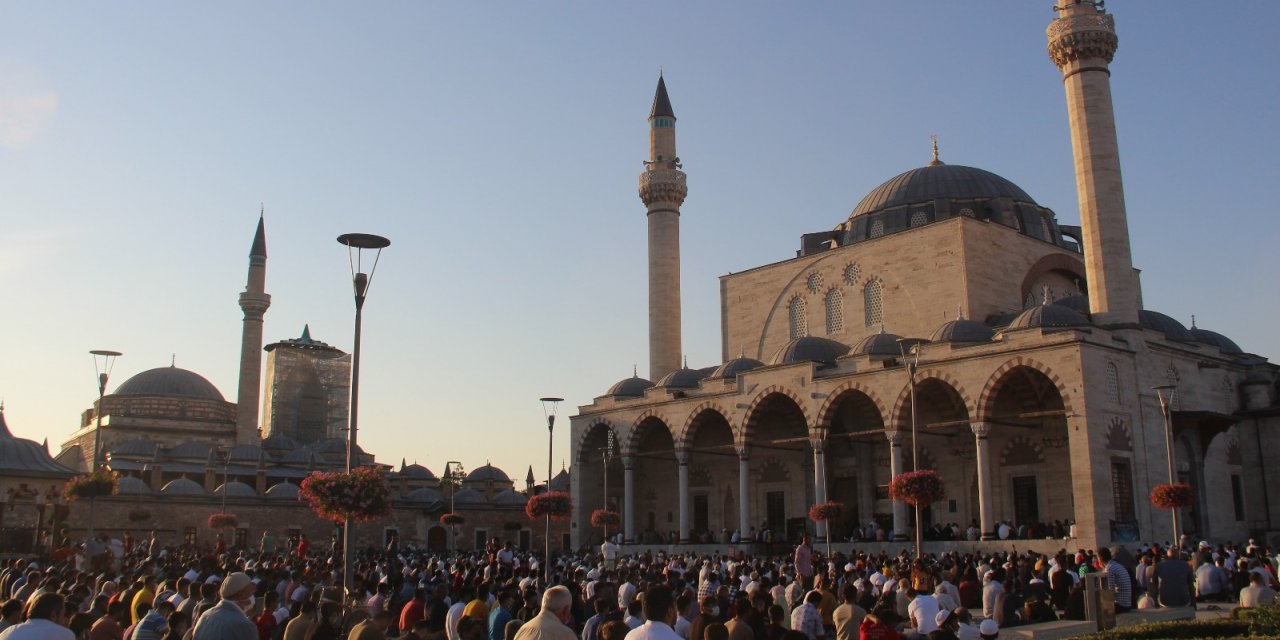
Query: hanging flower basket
pixel 223 521
pixel 556 504
pixel 361 495
pixel 601 519
pixel 1178 495
pixel 917 488
pixel 826 511
pixel 512 526
pixel 450 519
pixel 91 485
pixel 139 515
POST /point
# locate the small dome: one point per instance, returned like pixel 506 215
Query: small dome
pixel 236 490
pixel 425 494
pixel 332 445
pixel 183 487
pixel 135 448
pixel 632 387
pixel 486 473
pixel 685 378
pixel 732 368
pixel 1078 303
pixel 509 497
pixel 469 496
pixel 278 442
pixel 416 471
pixel 962 331
pixel 561 481
pixel 1046 316
pixel 246 453
pixel 810 349
pixel 1172 329
pixel 939 181
pixel 190 451
pixel 879 345
pixel 170 381
pixel 283 491
pixel 296 456
pixel 131 486
pixel 1214 339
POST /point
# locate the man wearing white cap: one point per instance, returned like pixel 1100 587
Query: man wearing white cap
pixel 229 619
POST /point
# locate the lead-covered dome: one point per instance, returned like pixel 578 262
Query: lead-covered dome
pixel 879 345
pixel 810 349
pixel 1215 339
pixel 632 387
pixel 962 331
pixel 732 368
pixel 938 180
pixel 170 381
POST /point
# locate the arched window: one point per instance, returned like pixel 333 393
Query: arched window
pixel 799 324
pixel 835 311
pixel 1113 383
pixel 872 302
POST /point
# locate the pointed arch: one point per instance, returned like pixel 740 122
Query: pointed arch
pixel 752 415
pixel 986 402
pixel 640 426
pixel 838 395
pixel 903 402
pixel 580 448
pixel 685 435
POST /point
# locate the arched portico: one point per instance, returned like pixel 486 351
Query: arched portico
pixel 599 461
pixel 649 515
pixel 943 422
pixel 707 445
pixel 776 435
pixel 854 429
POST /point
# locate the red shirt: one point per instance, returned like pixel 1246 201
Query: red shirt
pixel 872 629
pixel 266 625
pixel 414 611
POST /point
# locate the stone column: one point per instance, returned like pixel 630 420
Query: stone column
pixel 628 499
pixel 744 487
pixel 895 468
pixel 986 515
pixel 819 483
pixel 866 485
pixel 682 459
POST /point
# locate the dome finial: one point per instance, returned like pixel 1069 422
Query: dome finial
pixel 635 371
pixel 1193 326
pixel 173 360
pixel 936 162
pixel 959 312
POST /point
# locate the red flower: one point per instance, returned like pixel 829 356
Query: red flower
pixel 1172 496
pixel 452 518
pixel 556 504
pixel 826 511
pixel 917 488
pixel 223 521
pixel 91 485
pixel 600 518
pixel 361 495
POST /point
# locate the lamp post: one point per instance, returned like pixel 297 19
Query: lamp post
pixel 357 244
pixel 549 409
pixel 453 476
pixel 606 452
pixel 912 346
pixel 103 361
pixel 1168 448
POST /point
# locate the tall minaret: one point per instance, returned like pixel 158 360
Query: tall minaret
pixel 1082 41
pixel 254 302
pixel 663 188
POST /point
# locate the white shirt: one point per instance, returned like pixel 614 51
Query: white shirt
pixel 652 630
pixel 451 620
pixel 37 629
pixel 922 610
pixel 627 593
pixel 682 627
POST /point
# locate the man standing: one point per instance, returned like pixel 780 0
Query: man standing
pixel 804 563
pixel 228 620
pixel 659 614
pixel 609 552
pixel 551 622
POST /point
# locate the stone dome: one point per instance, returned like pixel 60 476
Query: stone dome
pixel 1048 316
pixel 425 494
pixel 170 381
pixel 939 180
pixel 131 486
pixel 136 447
pixel 486 473
pixel 685 378
pixel 191 451
pixel 962 331
pixel 469 496
pixel 810 349
pixel 879 345
pixel 1172 329
pixel 278 442
pixel 1078 303
pixel 283 491
pixel 416 472
pixel 183 487
pixel 246 453
pixel 632 387
pixel 1214 339
pixel 508 497
pixel 732 368
pixel 236 489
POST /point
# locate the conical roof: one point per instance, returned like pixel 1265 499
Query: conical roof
pixel 22 457
pixel 661 103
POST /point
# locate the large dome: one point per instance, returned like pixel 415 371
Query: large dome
pixel 170 381
pixel 939 180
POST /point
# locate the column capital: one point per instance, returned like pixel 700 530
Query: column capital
pixel 744 452
pixel 628 462
pixel 894 437
pixel 980 429
pixel 682 457
pixel 818 445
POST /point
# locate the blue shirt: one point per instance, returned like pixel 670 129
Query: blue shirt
pixel 498 619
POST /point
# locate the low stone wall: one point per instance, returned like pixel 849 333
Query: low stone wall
pixel 1046 546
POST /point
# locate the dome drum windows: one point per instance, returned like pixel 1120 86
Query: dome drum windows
pixel 835 311
pixel 873 302
pixel 799 324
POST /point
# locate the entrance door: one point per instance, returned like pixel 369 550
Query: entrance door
pixel 775 505
pixel 437 539
pixel 526 539
pixel 701 514
pixel 1026 501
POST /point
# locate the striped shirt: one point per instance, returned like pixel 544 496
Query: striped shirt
pixel 1118 579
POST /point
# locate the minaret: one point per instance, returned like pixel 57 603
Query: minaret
pixel 1082 41
pixel 254 302
pixel 663 188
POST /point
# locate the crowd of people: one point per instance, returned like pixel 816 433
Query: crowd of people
pixel 153 592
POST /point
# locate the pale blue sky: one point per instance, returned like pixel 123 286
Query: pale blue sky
pixel 497 144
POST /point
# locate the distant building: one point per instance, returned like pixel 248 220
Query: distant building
pixel 307 391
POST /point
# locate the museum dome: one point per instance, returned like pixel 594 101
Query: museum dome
pixel 1215 339
pixel 283 491
pixel 732 368
pixel 810 349
pixel 1172 329
pixel 879 345
pixel 962 331
pixel 170 381
pixel 486 473
pixel 1048 316
pixel 939 180
pixel 685 378
pixel 632 387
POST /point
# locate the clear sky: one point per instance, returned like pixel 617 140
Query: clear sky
pixel 497 144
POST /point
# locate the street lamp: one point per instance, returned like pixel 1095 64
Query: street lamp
pixel 453 475
pixel 606 452
pixel 103 361
pixel 912 346
pixel 1168 447
pixel 549 409
pixel 357 244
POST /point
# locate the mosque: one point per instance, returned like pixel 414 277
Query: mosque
pixel 951 322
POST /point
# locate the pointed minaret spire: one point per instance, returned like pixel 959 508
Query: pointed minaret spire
pixel 663 189
pixel 306 333
pixel 254 302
